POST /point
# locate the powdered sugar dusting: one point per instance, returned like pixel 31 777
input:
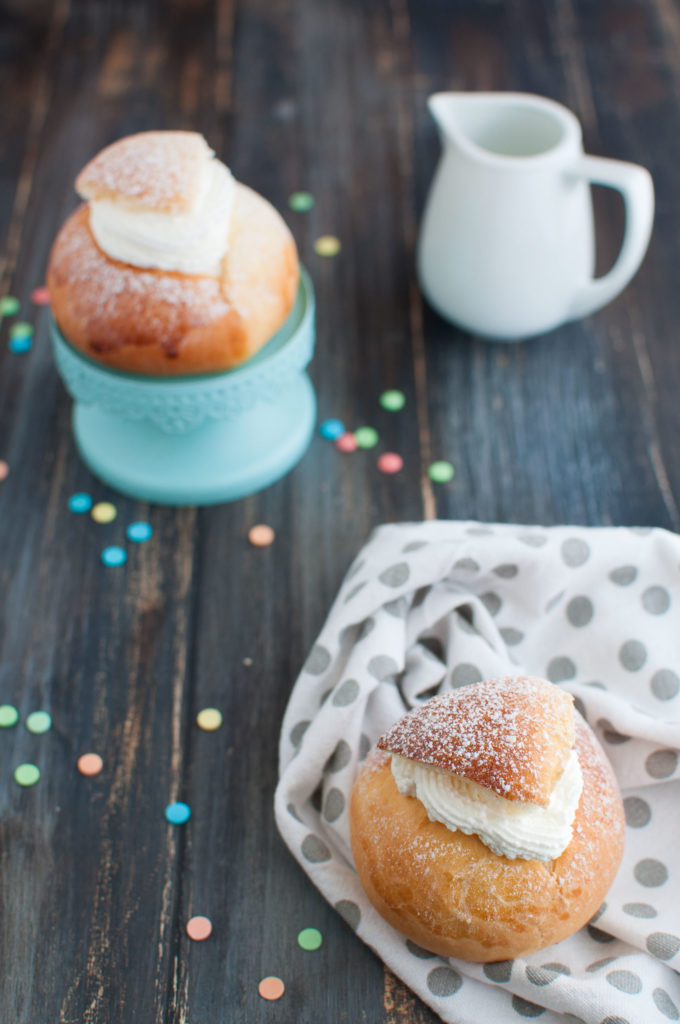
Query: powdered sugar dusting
pixel 158 171
pixel 511 735
pixel 114 304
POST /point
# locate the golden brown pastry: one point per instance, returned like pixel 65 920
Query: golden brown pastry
pixel 511 761
pixel 170 267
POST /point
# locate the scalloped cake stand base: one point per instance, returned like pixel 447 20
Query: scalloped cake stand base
pixel 200 440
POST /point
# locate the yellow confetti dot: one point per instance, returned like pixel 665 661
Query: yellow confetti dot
pixel 327 245
pixel 209 719
pixel 104 512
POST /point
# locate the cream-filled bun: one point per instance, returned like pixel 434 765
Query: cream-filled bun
pixel 170 266
pixel 487 823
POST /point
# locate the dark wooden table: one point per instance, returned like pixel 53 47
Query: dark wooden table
pixel 581 427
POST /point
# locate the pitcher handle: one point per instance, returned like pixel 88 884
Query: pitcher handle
pixel 636 186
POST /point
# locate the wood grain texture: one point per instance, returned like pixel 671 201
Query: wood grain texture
pixel 579 427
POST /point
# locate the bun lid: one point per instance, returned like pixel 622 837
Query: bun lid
pixel 511 735
pixel 159 172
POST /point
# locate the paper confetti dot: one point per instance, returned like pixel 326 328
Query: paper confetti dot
pixel 40 296
pixel 327 245
pixel 390 462
pixel 441 472
pixel 114 556
pixel 80 503
pixel 309 938
pixel 247 662
pixel 9 305
pixel 139 532
pixel 209 719
pixel 38 722
pixel 21 344
pixel 27 774
pixel 4 470
pixel 393 401
pixel 332 429
pixel 199 928
pixel 271 988
pixel 261 536
pixel 104 512
pixel 346 443
pixel 20 337
pixel 366 437
pixel 90 764
pixel 177 813
pixel 301 202
pixel 8 716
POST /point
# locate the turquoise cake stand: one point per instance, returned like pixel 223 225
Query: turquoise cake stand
pixel 197 440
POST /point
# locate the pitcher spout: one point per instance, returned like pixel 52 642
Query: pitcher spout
pixel 502 124
pixel 445 108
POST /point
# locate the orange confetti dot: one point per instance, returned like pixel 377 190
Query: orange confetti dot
pixel 199 928
pixel 271 988
pixel 4 470
pixel 261 536
pixel 90 764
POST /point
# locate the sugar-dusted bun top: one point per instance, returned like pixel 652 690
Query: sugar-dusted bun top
pixel 512 735
pixel 154 171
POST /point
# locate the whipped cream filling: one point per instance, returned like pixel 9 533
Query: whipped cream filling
pixel 511 828
pixel 192 242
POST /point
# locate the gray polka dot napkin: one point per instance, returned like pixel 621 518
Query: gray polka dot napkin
pixel 429 607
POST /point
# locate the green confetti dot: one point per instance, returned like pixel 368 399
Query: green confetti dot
pixel 38 722
pixel 393 401
pixel 9 305
pixel 441 472
pixel 8 716
pixel 27 774
pixel 301 202
pixel 309 939
pixel 21 329
pixel 366 437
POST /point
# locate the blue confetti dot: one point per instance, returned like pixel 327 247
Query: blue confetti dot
pixel 177 814
pixel 80 503
pixel 20 344
pixel 332 429
pixel 114 556
pixel 139 532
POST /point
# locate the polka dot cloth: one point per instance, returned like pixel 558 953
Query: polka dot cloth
pixel 600 623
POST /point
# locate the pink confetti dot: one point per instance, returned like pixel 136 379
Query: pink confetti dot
pixel 4 470
pixel 40 296
pixel 199 928
pixel 390 462
pixel 346 443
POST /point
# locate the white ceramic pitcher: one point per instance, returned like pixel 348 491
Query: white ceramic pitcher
pixel 506 247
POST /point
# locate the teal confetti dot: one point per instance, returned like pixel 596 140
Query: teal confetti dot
pixel 139 532
pixel 393 401
pixel 38 722
pixel 19 346
pixel 441 472
pixel 9 305
pixel 177 813
pixel 114 556
pixel 332 429
pixel 366 437
pixel 301 202
pixel 80 503
pixel 310 939
pixel 9 716
pixel 26 774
